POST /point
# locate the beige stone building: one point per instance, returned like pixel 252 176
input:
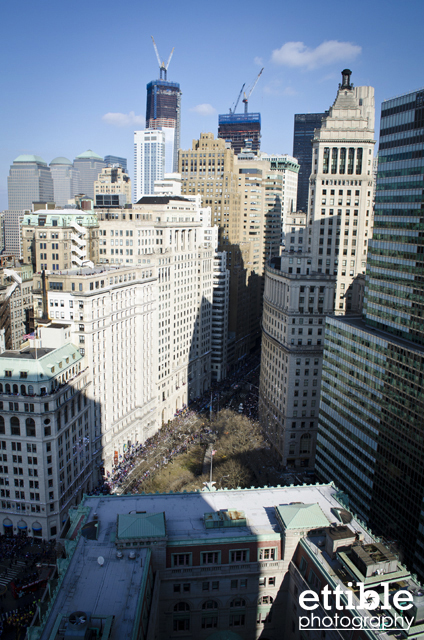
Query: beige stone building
pixel 60 239
pixel 112 188
pixel 341 190
pixel 16 306
pixel 112 316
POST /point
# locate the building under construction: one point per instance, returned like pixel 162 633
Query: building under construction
pixel 163 109
pixel 241 130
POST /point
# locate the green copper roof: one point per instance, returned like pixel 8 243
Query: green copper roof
pixel 39 364
pixel 302 516
pixel 89 155
pixel 30 158
pixel 141 525
pixel 60 160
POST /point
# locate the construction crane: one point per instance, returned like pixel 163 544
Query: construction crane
pixel 163 68
pixel 246 98
pixel 237 101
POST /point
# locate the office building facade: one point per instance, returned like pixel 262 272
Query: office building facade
pixel 163 111
pixel 89 165
pixel 46 434
pixel 60 239
pixel 149 161
pixel 66 180
pixel 16 306
pixel 29 181
pixel 112 188
pixel 304 129
pixel 116 160
pixel 371 428
pixel 296 301
pixel 340 190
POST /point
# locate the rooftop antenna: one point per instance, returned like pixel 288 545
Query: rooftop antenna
pixel 163 68
pixel 246 98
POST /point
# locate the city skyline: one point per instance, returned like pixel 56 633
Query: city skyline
pixel 53 108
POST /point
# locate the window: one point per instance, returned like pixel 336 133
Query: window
pixel 238 602
pixel 15 428
pixel 30 427
pixel 181 616
pixel 211 557
pixel 239 555
pixel 181 559
pixel 210 604
pixel 237 620
pixel 267 554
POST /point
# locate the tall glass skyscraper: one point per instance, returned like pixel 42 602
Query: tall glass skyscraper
pixel 371 425
pixel 304 127
pixel 163 111
pixel 29 181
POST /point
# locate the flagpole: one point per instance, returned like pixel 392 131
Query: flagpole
pixel 210 478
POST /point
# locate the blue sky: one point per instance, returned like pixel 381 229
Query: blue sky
pixel 67 66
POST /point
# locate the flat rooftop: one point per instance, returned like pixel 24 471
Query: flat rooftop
pixel 87 587
pixel 358 323
pixel 184 513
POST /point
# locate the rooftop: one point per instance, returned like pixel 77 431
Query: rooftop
pixel 30 158
pixel 160 199
pixel 184 513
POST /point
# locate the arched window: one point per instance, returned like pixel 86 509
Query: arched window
pixel 7 388
pixel 238 602
pixel 30 390
pixel 2 429
pixel 30 427
pixel 210 604
pixel 15 388
pixel 266 600
pixel 1 388
pixel 15 428
pixel 23 390
pixel 181 619
pixel 305 443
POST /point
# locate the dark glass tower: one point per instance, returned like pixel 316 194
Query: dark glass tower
pixel 163 110
pixel 242 130
pixel 304 127
pixel 371 426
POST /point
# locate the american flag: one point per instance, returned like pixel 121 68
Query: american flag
pixel 213 451
pixel 29 336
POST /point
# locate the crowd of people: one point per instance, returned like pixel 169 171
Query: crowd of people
pixel 141 461
pixel 21 566
pixel 156 452
pixel 19 618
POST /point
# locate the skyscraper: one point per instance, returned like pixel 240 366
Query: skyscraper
pixel 89 165
pixel 340 190
pixel 29 181
pixel 116 160
pixel 241 130
pixel 149 161
pixel 304 128
pixel 371 433
pixel 66 180
pixel 163 111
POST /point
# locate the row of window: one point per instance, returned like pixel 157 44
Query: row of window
pixel 214 557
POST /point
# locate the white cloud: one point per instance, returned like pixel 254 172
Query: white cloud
pixel 124 119
pixel 258 61
pixel 275 88
pixel 297 54
pixel 204 109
